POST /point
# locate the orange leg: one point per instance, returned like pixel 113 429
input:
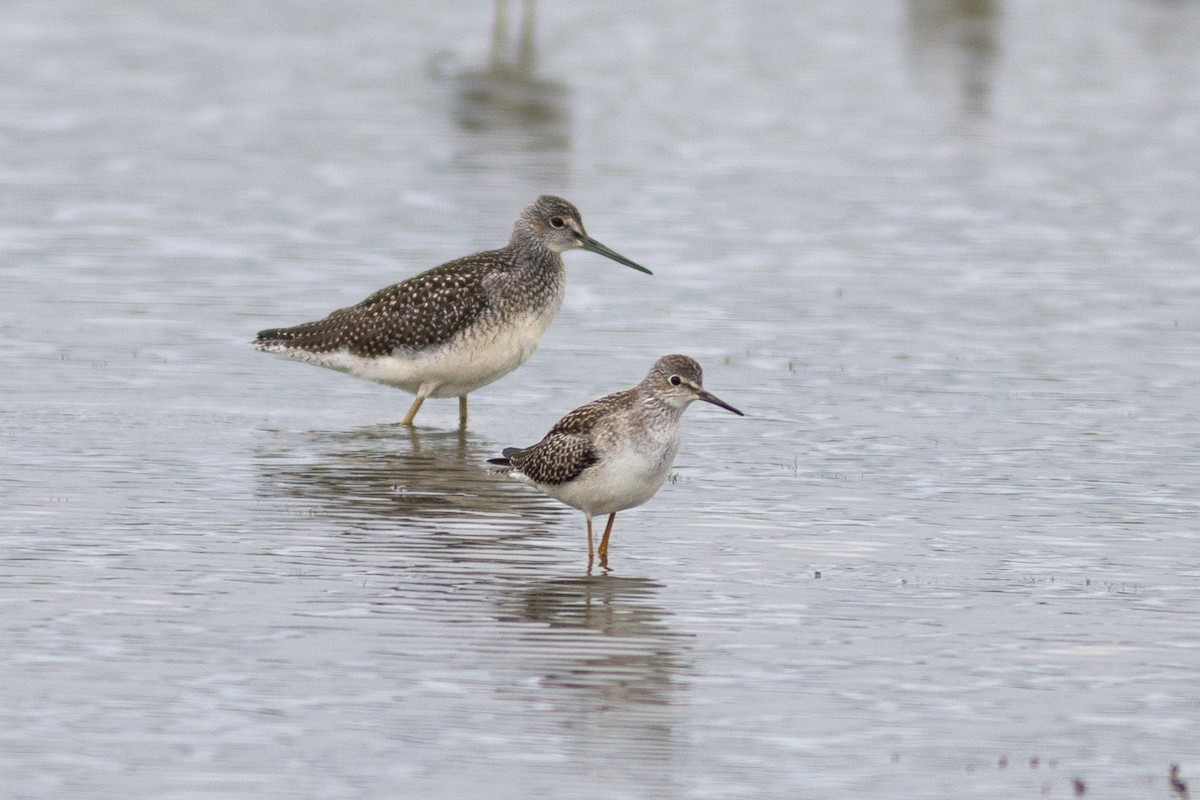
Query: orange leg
pixel 604 540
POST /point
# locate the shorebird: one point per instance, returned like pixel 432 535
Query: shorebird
pixel 457 327
pixel 614 453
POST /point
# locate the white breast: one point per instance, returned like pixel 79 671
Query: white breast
pixel 625 477
pixel 457 368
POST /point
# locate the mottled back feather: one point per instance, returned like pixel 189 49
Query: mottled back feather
pixel 569 448
pixel 423 311
pixel 558 458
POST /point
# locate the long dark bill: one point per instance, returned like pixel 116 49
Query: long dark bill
pixel 709 397
pixel 591 245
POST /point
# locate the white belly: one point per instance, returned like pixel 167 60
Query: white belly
pixel 624 479
pixel 457 368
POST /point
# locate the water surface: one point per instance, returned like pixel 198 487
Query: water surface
pixel 942 253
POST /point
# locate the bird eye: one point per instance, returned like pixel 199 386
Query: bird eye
pixel 676 380
pixel 557 222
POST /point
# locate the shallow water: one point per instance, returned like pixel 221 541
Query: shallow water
pixel 942 253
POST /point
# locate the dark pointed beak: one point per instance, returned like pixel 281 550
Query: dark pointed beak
pixel 709 397
pixel 592 246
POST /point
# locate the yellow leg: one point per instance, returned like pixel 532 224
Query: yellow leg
pixel 412 410
pixel 604 540
pixel 462 411
pixel 590 552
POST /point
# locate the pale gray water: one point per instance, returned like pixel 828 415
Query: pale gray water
pixel 944 254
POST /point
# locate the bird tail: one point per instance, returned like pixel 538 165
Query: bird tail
pixel 273 339
pixel 504 462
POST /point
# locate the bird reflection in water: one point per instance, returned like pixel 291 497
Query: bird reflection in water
pixel 952 50
pixel 603 663
pixel 395 473
pixel 632 660
pixel 506 103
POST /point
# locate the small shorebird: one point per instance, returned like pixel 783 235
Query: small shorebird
pixel 614 453
pixel 457 327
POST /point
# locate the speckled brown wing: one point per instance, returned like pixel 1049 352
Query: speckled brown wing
pixel 556 459
pixel 421 312
pixel 569 448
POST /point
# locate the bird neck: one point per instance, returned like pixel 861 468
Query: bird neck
pixel 528 253
pixel 658 408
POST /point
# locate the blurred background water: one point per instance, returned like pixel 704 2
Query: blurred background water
pixel 942 252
